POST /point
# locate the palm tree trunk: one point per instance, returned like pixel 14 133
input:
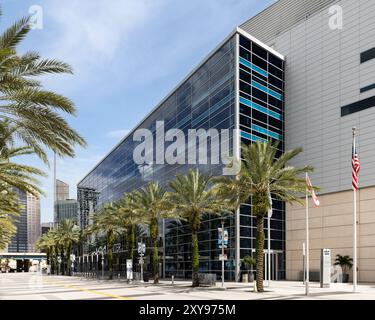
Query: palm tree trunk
pixel 130 242
pixel 110 255
pixel 62 261
pixel 259 253
pixel 69 263
pixel 154 232
pixel 195 257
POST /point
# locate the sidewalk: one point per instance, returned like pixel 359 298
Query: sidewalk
pixel 278 290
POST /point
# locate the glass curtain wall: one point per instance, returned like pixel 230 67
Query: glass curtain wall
pixel 205 100
pixel 261 97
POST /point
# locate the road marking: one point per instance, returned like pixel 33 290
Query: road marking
pixel 87 290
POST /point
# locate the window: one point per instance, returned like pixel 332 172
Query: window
pixel 245 54
pixel 368 88
pixel 245 43
pixel 275 71
pixel 275 60
pixel 358 106
pixel 259 62
pixel 275 82
pixel 367 55
pixel 259 51
pixel 259 94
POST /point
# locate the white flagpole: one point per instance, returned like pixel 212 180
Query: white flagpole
pixel 354 227
pixel 307 243
pixel 54 191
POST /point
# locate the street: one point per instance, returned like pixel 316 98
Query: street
pixel 33 286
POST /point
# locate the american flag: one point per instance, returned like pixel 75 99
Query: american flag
pixel 355 169
pixel 313 194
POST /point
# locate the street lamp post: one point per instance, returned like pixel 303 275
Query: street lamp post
pixel 223 241
pixel 222 254
pixel 141 252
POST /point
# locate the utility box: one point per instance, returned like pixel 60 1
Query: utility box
pixel 325 268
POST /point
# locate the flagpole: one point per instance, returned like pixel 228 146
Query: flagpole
pixel 354 225
pixel 307 243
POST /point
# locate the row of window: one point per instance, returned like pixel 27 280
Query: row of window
pixel 260 52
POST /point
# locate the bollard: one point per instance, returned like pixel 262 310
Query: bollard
pixel 172 280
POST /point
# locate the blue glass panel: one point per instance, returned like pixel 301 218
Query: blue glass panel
pixel 266 132
pixel 253 67
pixel 266 90
pixel 251 137
pixel 260 108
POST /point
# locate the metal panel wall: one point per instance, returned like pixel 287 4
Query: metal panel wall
pixel 324 73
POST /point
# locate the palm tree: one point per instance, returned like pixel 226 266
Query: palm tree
pixel 49 243
pixel 150 203
pixel 45 244
pixel 9 212
pixel 32 110
pixel 192 197
pixel 129 218
pixel 69 234
pixel 345 262
pixel 107 220
pixel 261 174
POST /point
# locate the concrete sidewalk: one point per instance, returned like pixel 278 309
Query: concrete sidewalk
pixel 26 286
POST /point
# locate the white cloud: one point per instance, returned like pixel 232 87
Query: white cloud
pixel 117 134
pixel 89 31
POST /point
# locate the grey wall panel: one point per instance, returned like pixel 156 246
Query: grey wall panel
pixel 323 73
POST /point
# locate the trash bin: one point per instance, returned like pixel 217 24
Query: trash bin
pixel 245 277
pixel 146 276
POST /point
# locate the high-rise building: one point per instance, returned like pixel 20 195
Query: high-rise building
pixel 65 208
pixel 299 72
pixel 62 190
pixel 19 242
pixel 28 224
pixel 46 226
pixel 33 221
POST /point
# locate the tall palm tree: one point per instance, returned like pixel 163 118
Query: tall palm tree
pixel 150 203
pixel 106 220
pixel 261 174
pixel 34 111
pixel 49 244
pixel 69 234
pixel 45 244
pixel 192 197
pixel 129 218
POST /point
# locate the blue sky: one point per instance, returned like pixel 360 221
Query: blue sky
pixel 126 55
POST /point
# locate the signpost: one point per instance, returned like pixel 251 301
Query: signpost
pixel 129 269
pixel 222 240
pixel 141 252
pixel 325 268
pixel 72 259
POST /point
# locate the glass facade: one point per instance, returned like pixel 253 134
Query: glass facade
pixel 66 209
pixel 261 106
pixel 205 100
pixel 19 242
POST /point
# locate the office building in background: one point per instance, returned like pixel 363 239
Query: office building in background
pixel 64 208
pixel 28 224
